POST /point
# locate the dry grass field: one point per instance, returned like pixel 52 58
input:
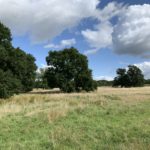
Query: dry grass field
pixel 109 118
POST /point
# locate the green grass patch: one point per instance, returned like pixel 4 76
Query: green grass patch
pixel 113 127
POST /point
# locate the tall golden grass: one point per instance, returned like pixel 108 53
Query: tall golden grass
pixel 55 104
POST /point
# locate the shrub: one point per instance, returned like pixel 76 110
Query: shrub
pixel 9 84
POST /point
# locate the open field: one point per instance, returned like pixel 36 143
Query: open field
pixel 109 119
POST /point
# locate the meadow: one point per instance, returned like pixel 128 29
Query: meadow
pixel 107 119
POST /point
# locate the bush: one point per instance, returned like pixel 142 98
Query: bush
pixel 104 83
pixel 9 84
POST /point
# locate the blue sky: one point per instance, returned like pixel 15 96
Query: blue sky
pixel 111 33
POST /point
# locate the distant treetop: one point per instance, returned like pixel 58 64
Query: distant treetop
pixel 131 77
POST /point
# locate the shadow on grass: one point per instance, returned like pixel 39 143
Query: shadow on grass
pixel 42 91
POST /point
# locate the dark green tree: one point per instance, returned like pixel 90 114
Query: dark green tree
pixel 122 78
pixel 147 82
pixel 132 77
pixel 104 83
pixel 136 76
pixel 5 36
pixel 17 68
pixel 68 70
pixel 9 84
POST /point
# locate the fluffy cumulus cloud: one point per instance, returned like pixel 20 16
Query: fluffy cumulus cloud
pixel 111 10
pixel 145 67
pixel 42 20
pixel 63 44
pixel 101 36
pixel 129 35
pixel 132 33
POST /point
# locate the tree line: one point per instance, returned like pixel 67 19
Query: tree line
pixel 67 69
pixel 126 77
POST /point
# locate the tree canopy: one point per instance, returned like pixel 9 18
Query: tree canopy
pixel 131 77
pixel 101 83
pixel 68 70
pixel 17 69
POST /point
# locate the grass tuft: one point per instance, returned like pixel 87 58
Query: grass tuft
pixel 111 118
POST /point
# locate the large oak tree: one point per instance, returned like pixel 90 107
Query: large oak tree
pixel 68 70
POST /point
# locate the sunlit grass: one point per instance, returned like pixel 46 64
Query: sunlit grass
pixel 110 118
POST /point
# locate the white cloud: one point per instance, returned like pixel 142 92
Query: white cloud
pixel 91 51
pixel 129 35
pixel 43 68
pixel 42 20
pixel 69 42
pixel 132 33
pixel 145 67
pixel 111 10
pixel 101 37
pixel 108 78
pixel 51 46
pixel 63 44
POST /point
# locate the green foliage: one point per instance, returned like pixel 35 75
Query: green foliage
pixel 8 84
pixel 5 36
pixel 68 70
pixel 104 83
pixel 132 77
pixel 147 82
pixel 17 67
pixel 136 76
